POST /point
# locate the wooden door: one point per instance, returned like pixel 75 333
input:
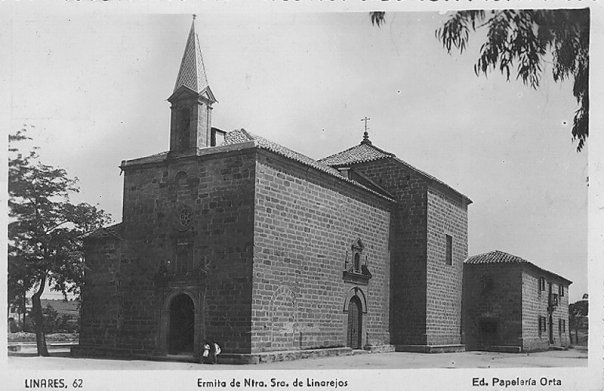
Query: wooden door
pixel 354 323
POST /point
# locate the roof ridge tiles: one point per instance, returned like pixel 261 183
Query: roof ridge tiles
pixel 356 154
pixel 261 142
pixel 502 257
pixel 360 154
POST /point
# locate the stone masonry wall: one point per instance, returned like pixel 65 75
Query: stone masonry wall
pixel 408 248
pixel 446 216
pixel 99 313
pixel 188 228
pixel 534 304
pixel 491 293
pixel 305 224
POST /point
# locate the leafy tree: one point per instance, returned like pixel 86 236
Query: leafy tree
pixel 45 229
pixel 521 41
pixel 577 311
pixel 18 285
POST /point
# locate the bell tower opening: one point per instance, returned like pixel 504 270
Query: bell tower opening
pixel 183 128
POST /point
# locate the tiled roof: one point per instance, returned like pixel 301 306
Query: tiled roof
pixel 500 257
pixel 366 152
pixel 495 257
pixel 192 73
pixel 241 135
pixel 357 154
pixel 114 230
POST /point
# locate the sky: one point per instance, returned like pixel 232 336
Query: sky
pixel 93 89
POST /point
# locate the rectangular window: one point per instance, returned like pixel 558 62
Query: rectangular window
pixel 449 253
pixel 562 325
pixel 561 290
pixel 542 325
pixel 541 284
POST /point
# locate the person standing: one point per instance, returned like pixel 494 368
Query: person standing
pixel 210 352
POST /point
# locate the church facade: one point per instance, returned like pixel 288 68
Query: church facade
pixel 233 238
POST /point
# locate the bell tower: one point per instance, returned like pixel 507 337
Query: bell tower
pixel 191 101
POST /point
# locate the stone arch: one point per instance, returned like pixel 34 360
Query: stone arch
pixel 168 298
pixel 284 318
pixel 198 327
pixel 355 321
pixel 356 292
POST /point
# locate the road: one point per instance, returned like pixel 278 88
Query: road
pixel 396 360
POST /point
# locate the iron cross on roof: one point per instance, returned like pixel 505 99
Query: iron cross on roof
pixel 366 134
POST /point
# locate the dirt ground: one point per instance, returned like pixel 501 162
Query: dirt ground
pixel 397 360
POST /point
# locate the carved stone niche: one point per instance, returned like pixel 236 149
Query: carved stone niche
pixel 356 270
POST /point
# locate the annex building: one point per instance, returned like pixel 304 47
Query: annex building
pixel 512 305
pixel 231 237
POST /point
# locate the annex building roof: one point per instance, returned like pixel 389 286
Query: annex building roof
pixel 500 257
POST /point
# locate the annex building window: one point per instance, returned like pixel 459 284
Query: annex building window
pixel 561 290
pixel 541 284
pixel 449 249
pixel 562 325
pixel 542 325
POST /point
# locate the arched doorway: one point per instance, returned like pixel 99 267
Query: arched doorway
pixel 182 325
pixel 354 323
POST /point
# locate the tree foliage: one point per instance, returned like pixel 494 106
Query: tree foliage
pixel 577 312
pixel 521 42
pixel 45 229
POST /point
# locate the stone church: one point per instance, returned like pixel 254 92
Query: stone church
pixel 233 238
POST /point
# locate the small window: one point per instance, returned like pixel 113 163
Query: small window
pixel 562 325
pixel 561 290
pixel 449 252
pixel 357 262
pixel 541 284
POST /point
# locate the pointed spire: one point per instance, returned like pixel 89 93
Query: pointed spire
pixel 192 73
